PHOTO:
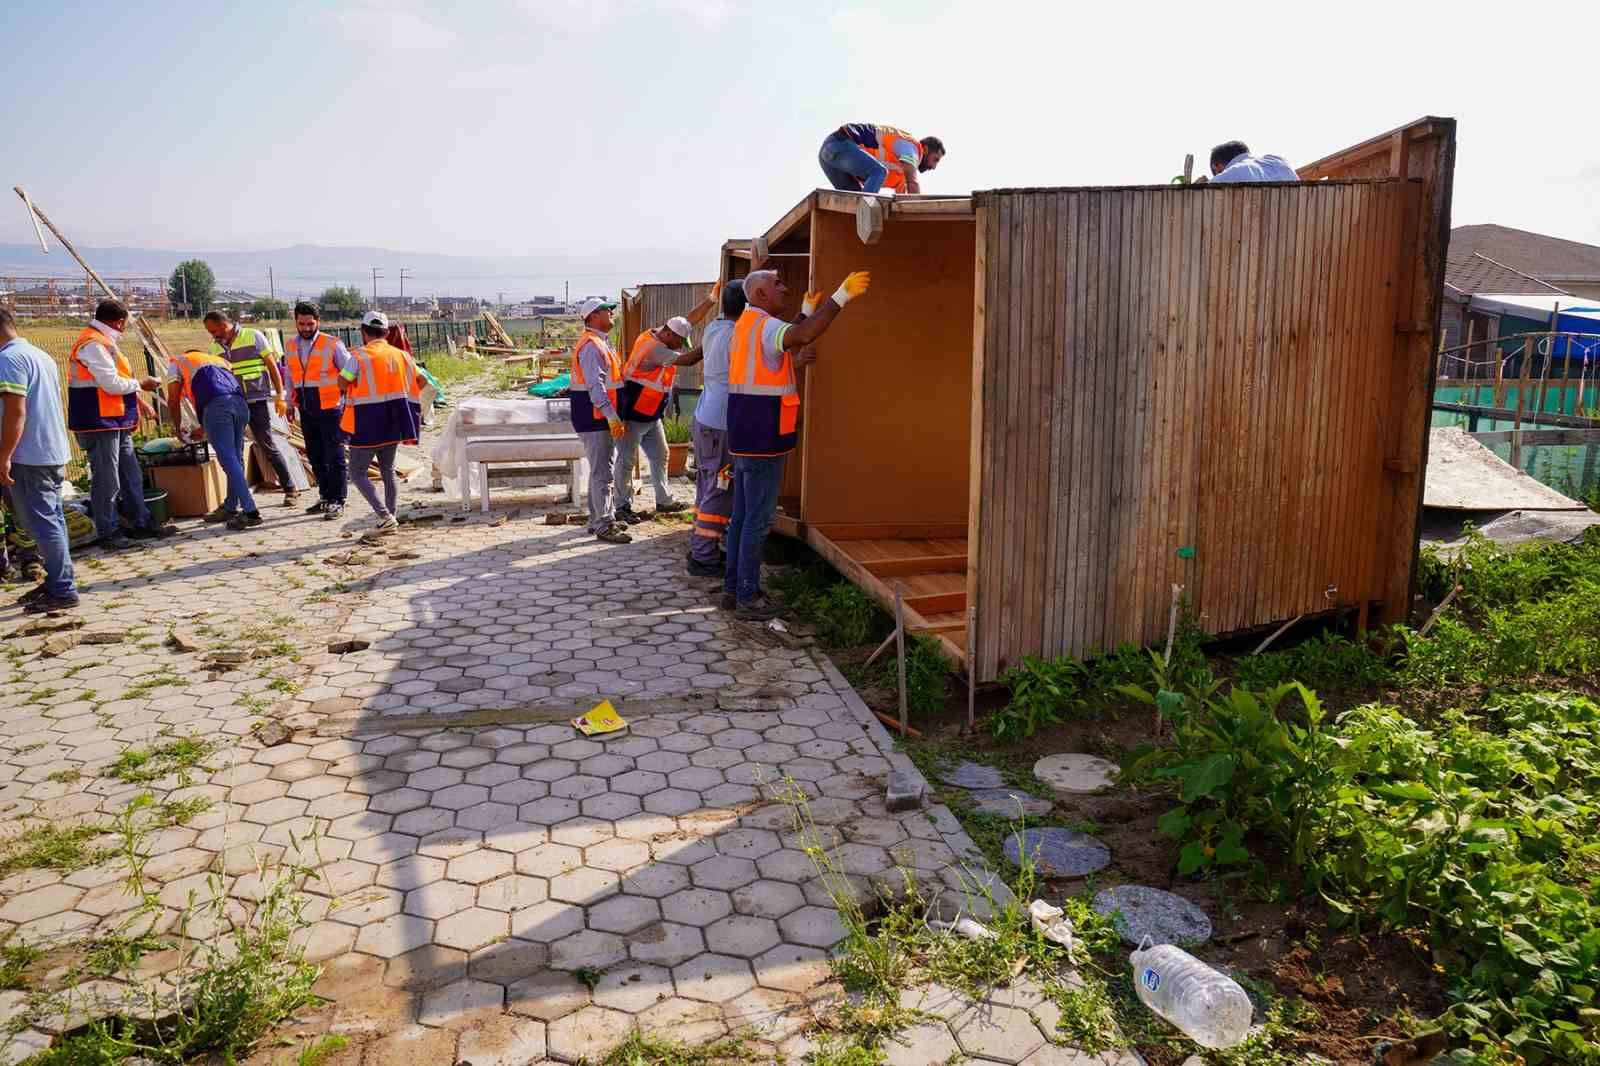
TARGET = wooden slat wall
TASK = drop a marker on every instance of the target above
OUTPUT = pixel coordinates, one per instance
(1169, 368)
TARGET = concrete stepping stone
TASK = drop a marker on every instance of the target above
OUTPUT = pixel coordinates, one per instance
(1149, 915)
(1075, 774)
(1009, 803)
(1058, 852)
(972, 775)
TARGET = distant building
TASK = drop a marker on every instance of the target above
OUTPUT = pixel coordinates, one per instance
(1523, 263)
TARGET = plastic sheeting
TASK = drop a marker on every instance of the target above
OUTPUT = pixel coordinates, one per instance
(483, 411)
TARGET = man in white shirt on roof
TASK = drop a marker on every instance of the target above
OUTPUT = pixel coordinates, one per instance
(103, 410)
(1232, 162)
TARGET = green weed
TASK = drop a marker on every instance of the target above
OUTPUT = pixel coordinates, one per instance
(642, 1049)
(842, 614)
(14, 962)
(180, 756)
(320, 1051)
(53, 847)
(1325, 662)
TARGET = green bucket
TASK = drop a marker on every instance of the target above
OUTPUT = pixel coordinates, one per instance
(156, 501)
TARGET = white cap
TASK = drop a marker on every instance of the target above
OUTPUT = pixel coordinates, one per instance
(679, 325)
(375, 319)
(593, 304)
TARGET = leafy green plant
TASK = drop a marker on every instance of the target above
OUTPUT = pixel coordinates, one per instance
(179, 756)
(1042, 691)
(53, 847)
(676, 429)
(1328, 661)
(15, 958)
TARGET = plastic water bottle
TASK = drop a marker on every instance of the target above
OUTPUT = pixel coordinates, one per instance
(1209, 1007)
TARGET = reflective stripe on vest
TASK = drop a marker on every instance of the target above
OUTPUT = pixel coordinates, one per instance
(586, 417)
(89, 408)
(655, 382)
(763, 404)
(379, 410)
(314, 369)
(188, 363)
(248, 360)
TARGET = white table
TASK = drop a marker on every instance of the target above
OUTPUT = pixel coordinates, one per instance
(511, 433)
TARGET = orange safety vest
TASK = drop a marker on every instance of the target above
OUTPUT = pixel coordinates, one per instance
(89, 408)
(380, 410)
(884, 153)
(763, 404)
(189, 362)
(586, 417)
(313, 368)
(653, 384)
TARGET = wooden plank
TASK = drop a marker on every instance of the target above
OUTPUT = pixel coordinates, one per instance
(887, 531)
(940, 604)
(981, 433)
(791, 223)
(1508, 414)
(903, 209)
(927, 564)
(1541, 436)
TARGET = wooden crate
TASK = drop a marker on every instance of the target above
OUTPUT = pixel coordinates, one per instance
(1056, 404)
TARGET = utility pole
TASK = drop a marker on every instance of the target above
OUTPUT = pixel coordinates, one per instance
(568, 300)
(501, 302)
(403, 272)
(272, 289)
(184, 276)
(375, 276)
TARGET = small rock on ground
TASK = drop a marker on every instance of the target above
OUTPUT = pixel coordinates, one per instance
(1145, 914)
(1075, 774)
(1009, 803)
(972, 775)
(1058, 852)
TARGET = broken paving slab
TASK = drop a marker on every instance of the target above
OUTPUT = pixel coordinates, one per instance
(1058, 852)
(1012, 803)
(1146, 915)
(904, 791)
(1076, 774)
(972, 775)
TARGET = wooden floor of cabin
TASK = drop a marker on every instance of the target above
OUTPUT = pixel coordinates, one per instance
(930, 571)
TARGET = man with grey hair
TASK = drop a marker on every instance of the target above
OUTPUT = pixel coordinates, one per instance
(596, 378)
(764, 418)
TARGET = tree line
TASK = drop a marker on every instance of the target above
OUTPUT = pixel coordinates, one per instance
(193, 287)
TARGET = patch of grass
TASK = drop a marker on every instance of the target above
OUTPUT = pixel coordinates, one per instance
(66, 777)
(53, 847)
(147, 683)
(14, 962)
(139, 765)
(109, 955)
(927, 675)
(43, 694)
(842, 614)
(181, 812)
(642, 1049)
(320, 1051)
(453, 370)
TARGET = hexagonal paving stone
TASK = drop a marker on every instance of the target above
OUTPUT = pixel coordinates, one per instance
(438, 899)
(673, 801)
(713, 978)
(39, 903)
(478, 867)
(667, 943)
(633, 987)
(429, 966)
(587, 1035)
(724, 872)
(774, 1014)
(582, 832)
(1006, 1034)
(624, 914)
(513, 892)
(394, 935)
(508, 962)
(818, 927)
(503, 1041)
(584, 885)
(547, 996)
(920, 1045)
(743, 935)
(697, 906)
(609, 806)
(471, 929)
(546, 922)
(768, 899)
(460, 1003)
(685, 1020)
(792, 968)
(460, 797)
(588, 949)
(618, 855)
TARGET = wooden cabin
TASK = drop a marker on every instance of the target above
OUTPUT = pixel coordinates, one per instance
(1055, 405)
(649, 306)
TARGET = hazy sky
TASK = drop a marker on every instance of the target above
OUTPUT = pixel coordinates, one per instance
(555, 126)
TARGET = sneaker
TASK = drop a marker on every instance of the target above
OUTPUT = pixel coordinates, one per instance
(703, 569)
(46, 603)
(628, 515)
(332, 511)
(728, 602)
(757, 610)
(615, 533)
(317, 508)
(290, 496)
(32, 594)
(116, 543)
(387, 524)
(153, 532)
(221, 514)
(245, 520)
(671, 507)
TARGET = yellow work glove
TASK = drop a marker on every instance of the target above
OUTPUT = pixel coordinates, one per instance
(716, 291)
(616, 427)
(853, 285)
(809, 304)
(283, 408)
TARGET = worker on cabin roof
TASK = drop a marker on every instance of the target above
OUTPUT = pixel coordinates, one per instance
(314, 360)
(863, 157)
(382, 411)
(1232, 162)
(764, 419)
(103, 410)
(213, 393)
(596, 377)
(256, 365)
(647, 379)
(713, 466)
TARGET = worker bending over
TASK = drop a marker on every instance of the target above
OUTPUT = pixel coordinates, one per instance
(212, 390)
(864, 157)
(764, 419)
(103, 410)
(647, 379)
(1232, 162)
(256, 366)
(596, 378)
(382, 411)
(315, 361)
(713, 489)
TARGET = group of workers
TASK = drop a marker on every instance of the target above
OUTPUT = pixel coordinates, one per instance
(745, 423)
(368, 402)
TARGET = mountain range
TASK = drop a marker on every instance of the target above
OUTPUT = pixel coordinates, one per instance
(308, 269)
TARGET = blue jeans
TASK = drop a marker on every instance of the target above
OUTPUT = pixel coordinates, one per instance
(849, 166)
(755, 502)
(224, 419)
(37, 496)
(115, 481)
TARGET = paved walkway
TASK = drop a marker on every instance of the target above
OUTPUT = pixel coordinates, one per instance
(479, 864)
